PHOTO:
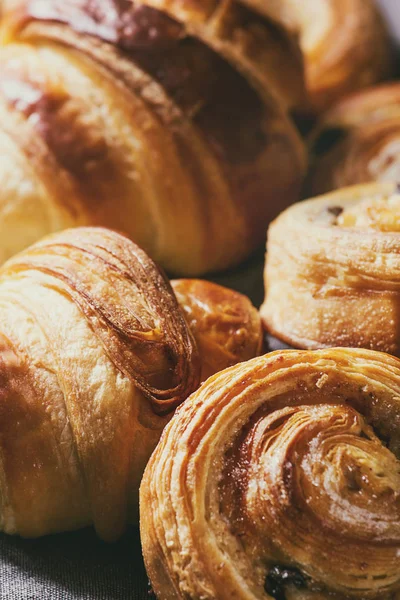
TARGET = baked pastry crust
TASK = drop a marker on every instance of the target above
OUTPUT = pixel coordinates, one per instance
(279, 478)
(120, 114)
(357, 141)
(225, 324)
(95, 355)
(345, 44)
(332, 271)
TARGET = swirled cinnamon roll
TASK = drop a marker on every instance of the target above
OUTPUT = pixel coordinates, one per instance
(280, 478)
(161, 123)
(345, 43)
(95, 356)
(332, 274)
(357, 141)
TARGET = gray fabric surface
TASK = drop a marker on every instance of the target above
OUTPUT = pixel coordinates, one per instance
(74, 566)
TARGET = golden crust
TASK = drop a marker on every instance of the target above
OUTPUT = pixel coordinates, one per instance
(156, 127)
(345, 44)
(225, 325)
(279, 477)
(332, 271)
(95, 355)
(357, 141)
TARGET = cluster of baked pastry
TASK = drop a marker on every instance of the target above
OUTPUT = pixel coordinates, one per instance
(166, 132)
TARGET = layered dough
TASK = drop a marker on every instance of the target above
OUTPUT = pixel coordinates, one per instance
(160, 123)
(280, 478)
(332, 274)
(95, 355)
(357, 141)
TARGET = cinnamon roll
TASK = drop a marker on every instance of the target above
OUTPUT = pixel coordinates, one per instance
(332, 273)
(280, 478)
(357, 141)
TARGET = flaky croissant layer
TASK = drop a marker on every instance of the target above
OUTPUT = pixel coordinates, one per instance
(280, 478)
(95, 355)
(169, 125)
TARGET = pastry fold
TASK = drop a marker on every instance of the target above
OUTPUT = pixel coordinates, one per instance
(332, 272)
(357, 141)
(95, 355)
(345, 43)
(280, 478)
(161, 123)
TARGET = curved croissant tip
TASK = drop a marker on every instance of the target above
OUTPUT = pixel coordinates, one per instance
(225, 324)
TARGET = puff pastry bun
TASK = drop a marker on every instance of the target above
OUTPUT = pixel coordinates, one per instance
(357, 141)
(164, 120)
(95, 355)
(280, 478)
(345, 43)
(332, 273)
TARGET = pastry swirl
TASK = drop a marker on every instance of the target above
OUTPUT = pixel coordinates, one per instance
(95, 355)
(357, 141)
(156, 122)
(345, 44)
(280, 478)
(332, 273)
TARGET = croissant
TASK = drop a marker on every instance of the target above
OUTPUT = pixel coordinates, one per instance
(357, 141)
(226, 326)
(345, 44)
(332, 273)
(95, 355)
(163, 122)
(280, 478)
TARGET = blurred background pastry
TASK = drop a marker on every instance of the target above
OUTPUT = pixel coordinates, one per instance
(357, 141)
(345, 44)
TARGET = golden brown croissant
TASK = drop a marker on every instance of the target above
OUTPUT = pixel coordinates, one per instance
(95, 355)
(158, 122)
(280, 478)
(332, 274)
(225, 324)
(345, 43)
(357, 141)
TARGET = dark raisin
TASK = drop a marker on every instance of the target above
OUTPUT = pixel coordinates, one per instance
(279, 576)
(335, 210)
(327, 139)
